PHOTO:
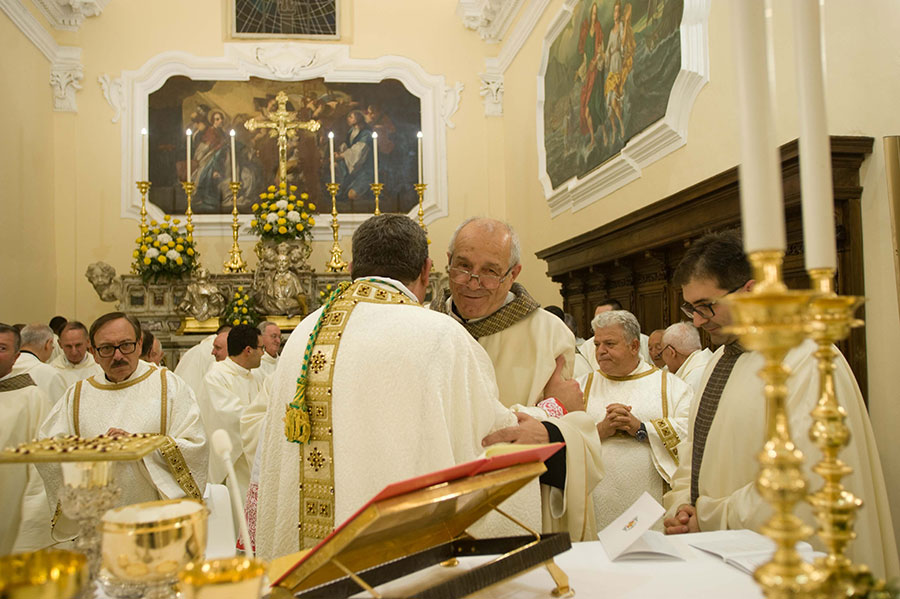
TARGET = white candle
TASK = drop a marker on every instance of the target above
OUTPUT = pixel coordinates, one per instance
(817, 194)
(762, 203)
(233, 159)
(188, 133)
(375, 153)
(144, 154)
(331, 152)
(419, 135)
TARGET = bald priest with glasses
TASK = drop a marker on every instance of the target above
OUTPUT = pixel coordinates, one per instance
(131, 396)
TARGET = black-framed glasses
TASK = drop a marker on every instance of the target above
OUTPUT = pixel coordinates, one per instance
(486, 280)
(669, 345)
(704, 310)
(107, 351)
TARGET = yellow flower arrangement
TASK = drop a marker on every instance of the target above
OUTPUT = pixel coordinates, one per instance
(165, 251)
(241, 309)
(281, 215)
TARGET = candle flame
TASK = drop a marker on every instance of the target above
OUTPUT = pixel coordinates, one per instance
(419, 135)
(143, 131)
(375, 134)
(331, 135)
(231, 133)
(188, 132)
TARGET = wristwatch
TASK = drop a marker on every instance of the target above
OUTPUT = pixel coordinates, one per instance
(641, 434)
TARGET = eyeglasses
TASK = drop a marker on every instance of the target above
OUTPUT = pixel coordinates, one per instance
(107, 351)
(704, 310)
(486, 280)
(669, 346)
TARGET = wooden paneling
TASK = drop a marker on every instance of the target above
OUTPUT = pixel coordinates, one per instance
(632, 259)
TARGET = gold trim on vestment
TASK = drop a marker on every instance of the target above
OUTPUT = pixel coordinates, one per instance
(587, 389)
(667, 435)
(76, 407)
(628, 377)
(316, 457)
(665, 396)
(123, 385)
(164, 400)
(14, 383)
(179, 468)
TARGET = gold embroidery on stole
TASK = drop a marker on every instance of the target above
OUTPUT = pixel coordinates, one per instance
(662, 425)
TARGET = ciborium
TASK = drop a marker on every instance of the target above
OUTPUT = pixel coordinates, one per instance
(45, 574)
(145, 545)
(233, 578)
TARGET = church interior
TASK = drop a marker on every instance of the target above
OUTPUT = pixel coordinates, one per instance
(85, 78)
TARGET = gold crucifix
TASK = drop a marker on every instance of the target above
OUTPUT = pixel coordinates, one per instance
(283, 124)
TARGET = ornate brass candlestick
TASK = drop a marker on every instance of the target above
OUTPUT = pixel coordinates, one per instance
(143, 187)
(189, 214)
(376, 189)
(337, 262)
(831, 319)
(235, 262)
(771, 320)
(420, 191)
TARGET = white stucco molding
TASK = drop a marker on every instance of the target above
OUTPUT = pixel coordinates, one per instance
(492, 93)
(115, 96)
(68, 15)
(285, 62)
(661, 138)
(66, 71)
(490, 18)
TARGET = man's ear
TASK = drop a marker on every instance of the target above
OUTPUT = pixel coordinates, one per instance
(515, 272)
(748, 286)
(426, 271)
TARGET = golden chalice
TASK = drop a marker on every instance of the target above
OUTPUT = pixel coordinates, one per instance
(146, 544)
(233, 578)
(45, 574)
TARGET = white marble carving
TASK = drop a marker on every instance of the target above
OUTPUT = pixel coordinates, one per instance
(452, 98)
(492, 93)
(66, 73)
(114, 94)
(68, 15)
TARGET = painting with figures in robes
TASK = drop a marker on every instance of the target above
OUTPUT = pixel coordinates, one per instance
(352, 111)
(609, 75)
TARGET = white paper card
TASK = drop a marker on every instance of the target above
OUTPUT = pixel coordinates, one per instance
(630, 525)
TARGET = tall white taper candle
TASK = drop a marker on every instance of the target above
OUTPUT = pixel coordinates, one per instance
(144, 154)
(188, 133)
(762, 202)
(375, 153)
(331, 152)
(419, 136)
(233, 158)
(817, 194)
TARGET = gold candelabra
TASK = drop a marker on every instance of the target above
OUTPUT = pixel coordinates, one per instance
(337, 262)
(830, 320)
(189, 214)
(420, 191)
(143, 188)
(376, 189)
(235, 262)
(772, 320)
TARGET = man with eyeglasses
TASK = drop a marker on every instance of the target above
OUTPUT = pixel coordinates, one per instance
(231, 385)
(715, 484)
(655, 347)
(533, 353)
(131, 396)
(684, 354)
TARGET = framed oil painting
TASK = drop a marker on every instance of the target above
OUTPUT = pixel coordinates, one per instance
(303, 19)
(352, 111)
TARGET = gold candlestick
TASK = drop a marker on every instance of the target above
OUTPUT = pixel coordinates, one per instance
(337, 262)
(831, 319)
(235, 262)
(376, 189)
(771, 320)
(420, 191)
(188, 214)
(143, 187)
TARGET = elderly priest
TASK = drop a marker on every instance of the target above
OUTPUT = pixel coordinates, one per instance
(132, 396)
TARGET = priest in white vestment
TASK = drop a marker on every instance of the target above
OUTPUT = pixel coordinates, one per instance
(715, 484)
(387, 391)
(132, 396)
(76, 363)
(684, 355)
(524, 343)
(271, 338)
(34, 353)
(22, 408)
(588, 351)
(641, 414)
(231, 385)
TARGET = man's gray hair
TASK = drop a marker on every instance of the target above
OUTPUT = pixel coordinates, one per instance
(262, 326)
(36, 335)
(683, 336)
(515, 249)
(623, 318)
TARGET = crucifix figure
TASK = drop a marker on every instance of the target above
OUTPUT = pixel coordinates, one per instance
(283, 124)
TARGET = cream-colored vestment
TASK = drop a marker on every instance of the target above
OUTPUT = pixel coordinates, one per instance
(728, 498)
(267, 365)
(72, 373)
(662, 402)
(691, 370)
(46, 377)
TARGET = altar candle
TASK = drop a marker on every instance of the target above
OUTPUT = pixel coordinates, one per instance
(375, 153)
(188, 133)
(419, 135)
(762, 203)
(233, 159)
(144, 154)
(331, 152)
(817, 195)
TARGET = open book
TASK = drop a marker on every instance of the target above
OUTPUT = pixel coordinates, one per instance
(744, 549)
(629, 537)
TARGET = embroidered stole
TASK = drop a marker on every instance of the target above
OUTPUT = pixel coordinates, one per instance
(500, 320)
(316, 457)
(14, 383)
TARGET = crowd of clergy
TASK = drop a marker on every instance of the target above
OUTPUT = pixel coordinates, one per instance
(395, 387)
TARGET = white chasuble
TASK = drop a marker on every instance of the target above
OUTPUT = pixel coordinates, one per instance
(230, 388)
(409, 392)
(662, 402)
(72, 373)
(151, 400)
(267, 365)
(46, 377)
(691, 370)
(22, 407)
(728, 498)
(193, 366)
